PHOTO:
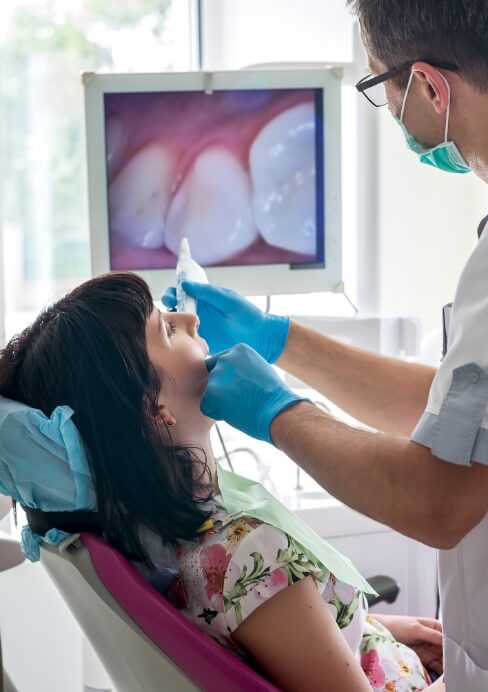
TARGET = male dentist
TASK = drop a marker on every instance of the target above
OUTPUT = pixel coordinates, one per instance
(426, 473)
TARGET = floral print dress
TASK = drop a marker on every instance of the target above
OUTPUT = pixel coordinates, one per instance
(240, 563)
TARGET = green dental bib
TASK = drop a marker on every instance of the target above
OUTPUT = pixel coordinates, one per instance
(243, 497)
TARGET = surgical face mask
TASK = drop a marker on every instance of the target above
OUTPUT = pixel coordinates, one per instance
(445, 156)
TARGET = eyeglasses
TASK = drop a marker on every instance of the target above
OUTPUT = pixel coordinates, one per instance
(376, 85)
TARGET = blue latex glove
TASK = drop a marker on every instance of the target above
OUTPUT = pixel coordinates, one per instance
(227, 319)
(245, 391)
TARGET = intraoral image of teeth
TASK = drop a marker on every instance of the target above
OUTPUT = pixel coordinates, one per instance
(282, 165)
(116, 142)
(139, 197)
(212, 208)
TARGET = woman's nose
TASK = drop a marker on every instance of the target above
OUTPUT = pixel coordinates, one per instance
(192, 323)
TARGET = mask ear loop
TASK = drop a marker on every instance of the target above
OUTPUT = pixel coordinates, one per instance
(448, 113)
(405, 97)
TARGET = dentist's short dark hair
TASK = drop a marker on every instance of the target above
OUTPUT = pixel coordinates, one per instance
(452, 31)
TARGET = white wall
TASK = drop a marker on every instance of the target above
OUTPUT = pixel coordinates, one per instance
(240, 33)
(426, 220)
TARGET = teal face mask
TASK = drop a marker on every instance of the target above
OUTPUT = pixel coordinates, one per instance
(445, 156)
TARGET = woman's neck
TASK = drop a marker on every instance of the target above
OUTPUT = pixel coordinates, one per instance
(199, 440)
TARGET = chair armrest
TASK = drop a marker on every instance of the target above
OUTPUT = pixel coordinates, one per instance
(387, 588)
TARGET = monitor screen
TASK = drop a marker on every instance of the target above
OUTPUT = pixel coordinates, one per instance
(240, 173)
(245, 164)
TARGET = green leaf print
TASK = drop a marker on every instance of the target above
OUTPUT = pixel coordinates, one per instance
(292, 559)
(258, 565)
(372, 641)
(238, 612)
(297, 563)
(345, 612)
(246, 581)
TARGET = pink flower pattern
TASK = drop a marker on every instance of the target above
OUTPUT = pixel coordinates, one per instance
(370, 663)
(214, 560)
(220, 578)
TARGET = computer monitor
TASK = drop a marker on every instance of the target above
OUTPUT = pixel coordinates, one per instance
(246, 165)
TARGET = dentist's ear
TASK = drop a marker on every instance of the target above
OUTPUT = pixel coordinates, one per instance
(433, 84)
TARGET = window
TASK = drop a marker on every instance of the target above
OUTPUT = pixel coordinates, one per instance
(44, 47)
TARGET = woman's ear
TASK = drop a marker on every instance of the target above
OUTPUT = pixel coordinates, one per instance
(159, 412)
(166, 415)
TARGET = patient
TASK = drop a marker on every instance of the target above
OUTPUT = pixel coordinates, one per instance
(135, 377)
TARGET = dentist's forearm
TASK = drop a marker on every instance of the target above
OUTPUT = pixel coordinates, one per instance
(384, 393)
(386, 477)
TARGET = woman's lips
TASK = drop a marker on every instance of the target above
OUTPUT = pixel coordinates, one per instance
(204, 345)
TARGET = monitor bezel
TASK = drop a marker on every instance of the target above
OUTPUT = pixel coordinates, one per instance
(266, 279)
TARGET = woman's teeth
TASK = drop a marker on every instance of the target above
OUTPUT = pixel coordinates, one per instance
(282, 163)
(116, 142)
(212, 208)
(139, 197)
(219, 206)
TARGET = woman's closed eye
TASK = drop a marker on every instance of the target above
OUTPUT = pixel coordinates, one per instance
(170, 328)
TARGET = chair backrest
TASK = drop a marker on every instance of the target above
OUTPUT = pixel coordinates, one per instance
(10, 552)
(5, 505)
(10, 556)
(144, 643)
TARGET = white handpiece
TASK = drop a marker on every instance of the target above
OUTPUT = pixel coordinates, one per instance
(187, 269)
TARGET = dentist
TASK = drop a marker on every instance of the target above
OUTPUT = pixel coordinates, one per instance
(426, 473)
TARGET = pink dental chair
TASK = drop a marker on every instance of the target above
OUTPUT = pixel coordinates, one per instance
(144, 643)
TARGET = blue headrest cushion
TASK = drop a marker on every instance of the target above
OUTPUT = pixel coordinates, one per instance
(43, 464)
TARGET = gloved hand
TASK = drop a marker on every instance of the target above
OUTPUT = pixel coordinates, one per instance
(245, 391)
(227, 319)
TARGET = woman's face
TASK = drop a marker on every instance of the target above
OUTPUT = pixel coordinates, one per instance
(178, 354)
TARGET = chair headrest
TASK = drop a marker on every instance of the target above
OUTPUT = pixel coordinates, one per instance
(43, 465)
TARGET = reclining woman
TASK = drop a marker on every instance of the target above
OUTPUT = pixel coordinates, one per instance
(134, 378)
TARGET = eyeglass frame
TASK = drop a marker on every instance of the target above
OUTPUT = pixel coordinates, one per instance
(369, 81)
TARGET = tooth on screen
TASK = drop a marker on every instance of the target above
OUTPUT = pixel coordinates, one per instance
(116, 142)
(139, 197)
(212, 208)
(282, 164)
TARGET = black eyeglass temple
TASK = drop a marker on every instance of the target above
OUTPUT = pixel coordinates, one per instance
(367, 82)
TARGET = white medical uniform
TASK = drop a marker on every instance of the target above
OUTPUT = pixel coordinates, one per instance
(455, 427)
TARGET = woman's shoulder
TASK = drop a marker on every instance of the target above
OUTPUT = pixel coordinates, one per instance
(237, 565)
(260, 560)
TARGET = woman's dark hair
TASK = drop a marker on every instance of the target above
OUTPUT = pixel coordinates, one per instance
(89, 351)
(437, 31)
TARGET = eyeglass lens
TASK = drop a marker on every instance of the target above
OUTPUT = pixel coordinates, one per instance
(377, 94)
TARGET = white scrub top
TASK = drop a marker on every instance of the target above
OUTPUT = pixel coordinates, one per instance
(455, 427)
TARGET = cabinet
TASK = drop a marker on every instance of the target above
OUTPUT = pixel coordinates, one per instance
(376, 549)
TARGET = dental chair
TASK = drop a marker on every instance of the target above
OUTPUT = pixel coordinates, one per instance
(144, 643)
(10, 556)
